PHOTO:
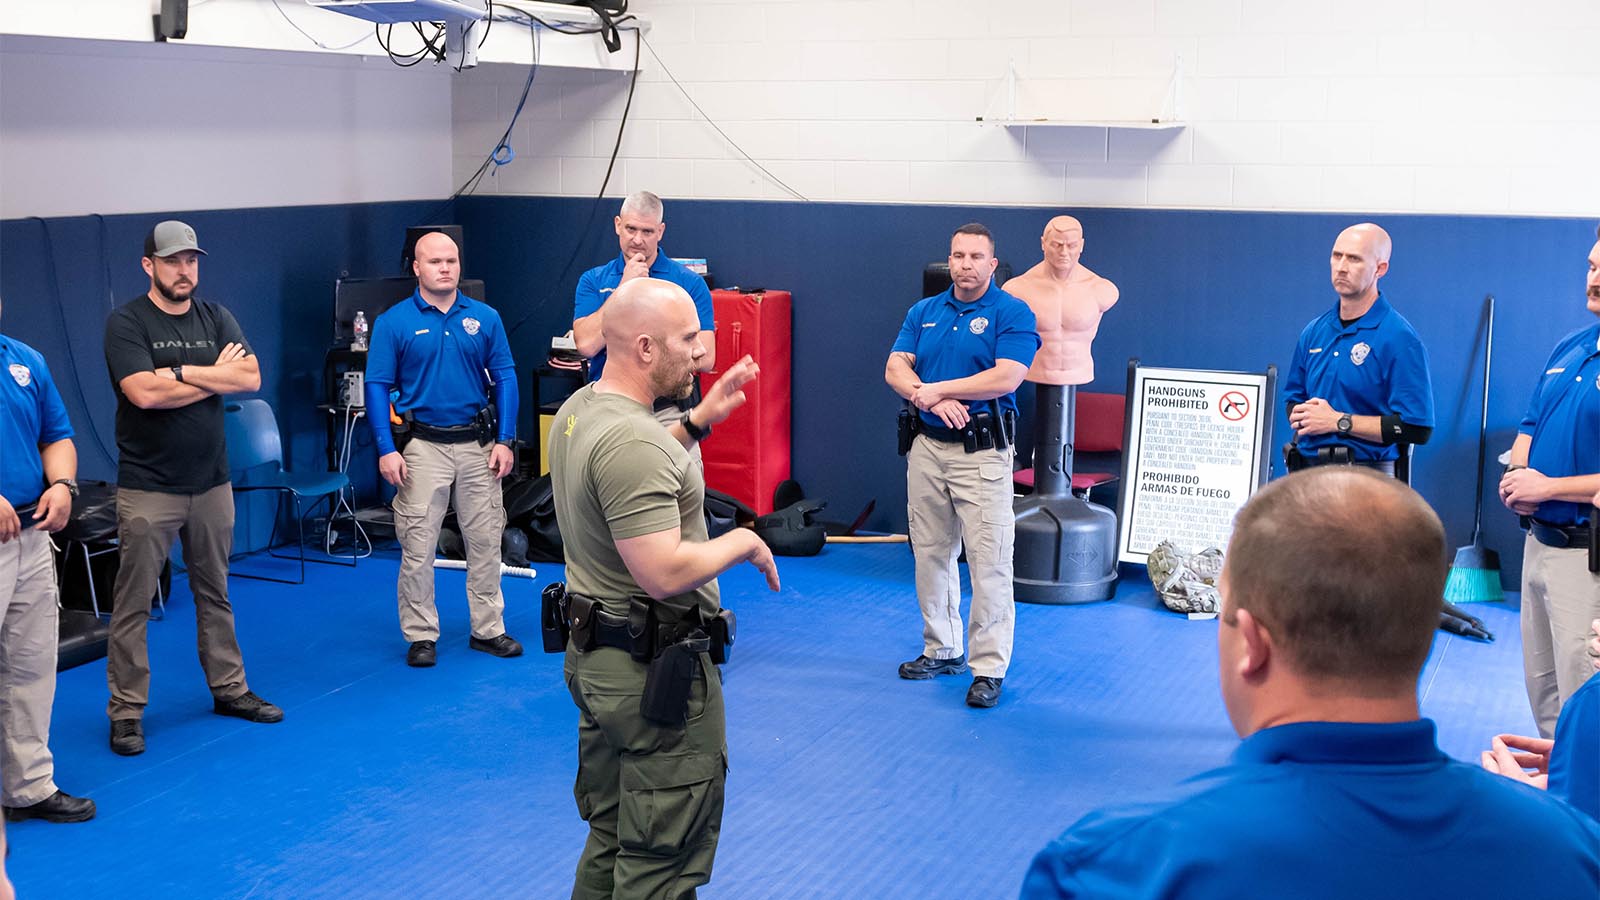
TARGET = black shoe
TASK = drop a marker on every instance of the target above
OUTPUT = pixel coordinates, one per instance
(922, 668)
(504, 645)
(985, 692)
(127, 737)
(248, 706)
(421, 654)
(58, 807)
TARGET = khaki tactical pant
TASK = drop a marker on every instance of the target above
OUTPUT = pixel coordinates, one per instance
(433, 473)
(652, 795)
(147, 522)
(28, 639)
(1560, 597)
(954, 496)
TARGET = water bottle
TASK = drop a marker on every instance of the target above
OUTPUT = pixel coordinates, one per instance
(360, 342)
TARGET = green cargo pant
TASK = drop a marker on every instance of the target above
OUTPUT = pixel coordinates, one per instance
(652, 795)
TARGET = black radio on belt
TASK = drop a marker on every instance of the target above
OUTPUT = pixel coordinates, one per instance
(555, 624)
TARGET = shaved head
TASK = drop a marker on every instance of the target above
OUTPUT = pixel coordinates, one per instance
(652, 331)
(1372, 238)
(646, 306)
(436, 261)
(434, 242)
(1360, 258)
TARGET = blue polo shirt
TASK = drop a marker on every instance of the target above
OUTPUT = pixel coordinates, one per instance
(952, 339)
(1575, 758)
(32, 414)
(1330, 810)
(436, 360)
(1564, 420)
(596, 285)
(1375, 366)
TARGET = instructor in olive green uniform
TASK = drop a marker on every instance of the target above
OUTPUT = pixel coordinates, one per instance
(630, 507)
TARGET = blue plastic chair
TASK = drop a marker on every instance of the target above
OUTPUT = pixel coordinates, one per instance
(255, 463)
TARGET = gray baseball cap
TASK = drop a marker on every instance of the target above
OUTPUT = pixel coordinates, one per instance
(170, 237)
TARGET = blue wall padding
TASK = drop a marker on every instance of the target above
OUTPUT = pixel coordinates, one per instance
(273, 268)
(1227, 290)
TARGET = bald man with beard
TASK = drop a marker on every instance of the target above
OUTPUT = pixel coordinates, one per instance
(630, 505)
(1359, 384)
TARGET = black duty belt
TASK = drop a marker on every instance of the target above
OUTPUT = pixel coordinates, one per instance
(25, 513)
(942, 434)
(1386, 466)
(456, 434)
(1561, 537)
(612, 631)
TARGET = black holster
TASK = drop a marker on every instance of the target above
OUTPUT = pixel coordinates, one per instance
(1294, 459)
(671, 651)
(402, 433)
(721, 630)
(1594, 539)
(555, 617)
(484, 426)
(907, 428)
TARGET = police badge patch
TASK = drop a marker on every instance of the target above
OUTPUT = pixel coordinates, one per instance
(978, 324)
(21, 374)
(1358, 353)
(470, 324)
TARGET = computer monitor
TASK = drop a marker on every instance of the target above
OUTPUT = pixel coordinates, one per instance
(374, 295)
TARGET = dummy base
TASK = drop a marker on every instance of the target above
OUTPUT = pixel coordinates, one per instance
(1066, 550)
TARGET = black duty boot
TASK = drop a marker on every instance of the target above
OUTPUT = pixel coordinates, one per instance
(922, 668)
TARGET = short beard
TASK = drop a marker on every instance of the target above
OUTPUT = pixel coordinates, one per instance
(669, 390)
(170, 293)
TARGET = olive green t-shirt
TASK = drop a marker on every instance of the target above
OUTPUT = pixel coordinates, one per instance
(618, 473)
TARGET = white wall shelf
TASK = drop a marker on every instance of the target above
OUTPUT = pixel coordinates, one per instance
(1022, 111)
(1152, 125)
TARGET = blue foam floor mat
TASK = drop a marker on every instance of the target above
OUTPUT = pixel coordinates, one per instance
(845, 781)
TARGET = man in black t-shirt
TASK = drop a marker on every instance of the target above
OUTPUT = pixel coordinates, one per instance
(171, 358)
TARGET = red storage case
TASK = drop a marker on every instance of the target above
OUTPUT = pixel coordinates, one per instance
(748, 455)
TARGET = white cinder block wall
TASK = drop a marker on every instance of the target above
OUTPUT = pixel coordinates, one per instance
(1430, 106)
(91, 126)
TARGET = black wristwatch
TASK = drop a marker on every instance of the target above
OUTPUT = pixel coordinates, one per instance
(1344, 424)
(694, 430)
(177, 372)
(72, 486)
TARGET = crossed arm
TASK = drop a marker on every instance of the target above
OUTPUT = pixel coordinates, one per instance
(235, 371)
(1522, 489)
(948, 399)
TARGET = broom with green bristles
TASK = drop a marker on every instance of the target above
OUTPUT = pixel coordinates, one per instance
(1475, 574)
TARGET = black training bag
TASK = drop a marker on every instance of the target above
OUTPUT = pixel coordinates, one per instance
(531, 506)
(724, 512)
